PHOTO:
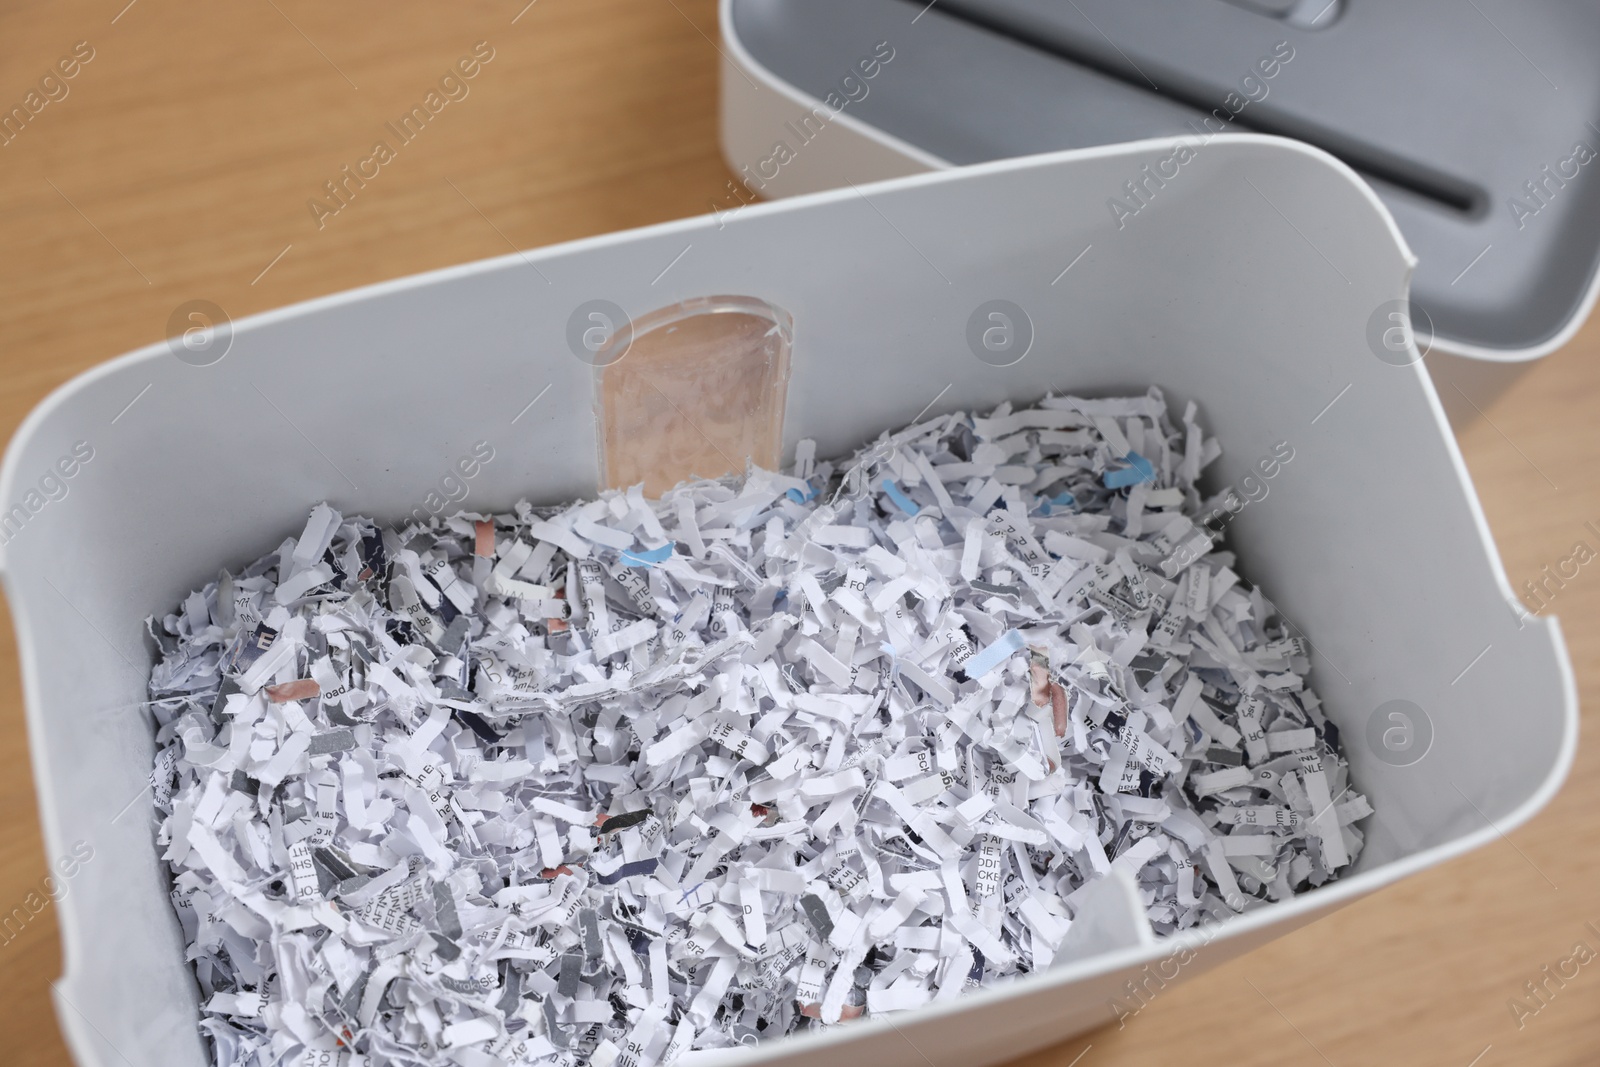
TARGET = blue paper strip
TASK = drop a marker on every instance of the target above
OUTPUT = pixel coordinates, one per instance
(1009, 644)
(1138, 470)
(901, 501)
(647, 558)
(801, 498)
(1064, 501)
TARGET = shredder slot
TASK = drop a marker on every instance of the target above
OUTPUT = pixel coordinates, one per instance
(1478, 125)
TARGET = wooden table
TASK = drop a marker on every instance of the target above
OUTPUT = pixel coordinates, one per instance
(179, 165)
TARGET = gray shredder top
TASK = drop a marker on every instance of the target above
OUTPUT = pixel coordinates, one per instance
(1477, 121)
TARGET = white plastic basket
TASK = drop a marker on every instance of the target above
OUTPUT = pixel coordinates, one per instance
(1253, 292)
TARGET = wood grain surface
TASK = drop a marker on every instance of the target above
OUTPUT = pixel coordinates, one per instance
(179, 165)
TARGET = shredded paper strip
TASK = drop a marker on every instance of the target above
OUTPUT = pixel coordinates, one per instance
(607, 783)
